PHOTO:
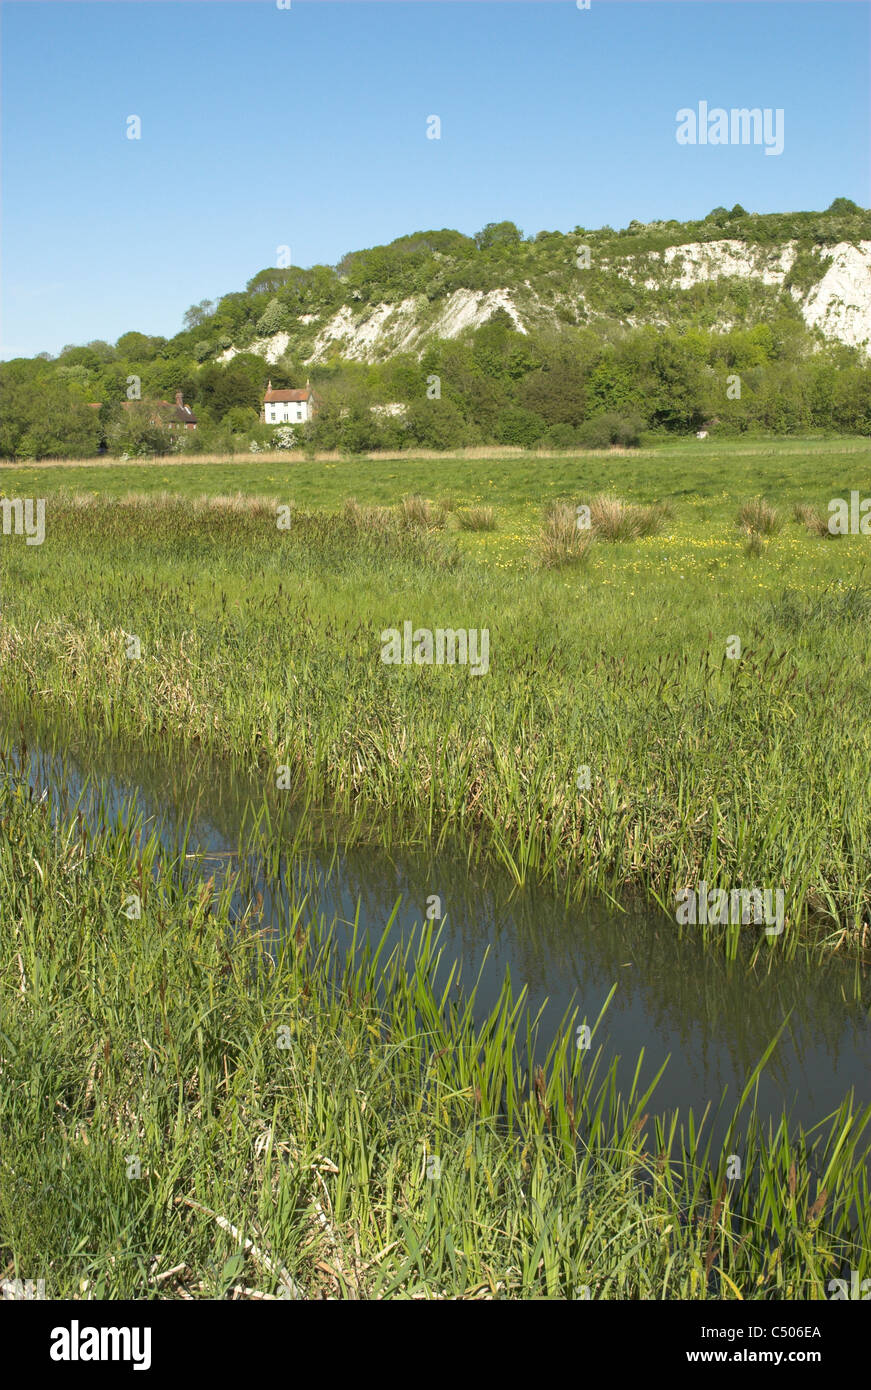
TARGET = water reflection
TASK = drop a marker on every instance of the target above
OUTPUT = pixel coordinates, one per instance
(714, 1017)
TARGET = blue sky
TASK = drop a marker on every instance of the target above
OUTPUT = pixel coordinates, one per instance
(307, 127)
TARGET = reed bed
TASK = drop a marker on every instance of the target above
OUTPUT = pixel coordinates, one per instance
(262, 648)
(191, 1109)
(730, 451)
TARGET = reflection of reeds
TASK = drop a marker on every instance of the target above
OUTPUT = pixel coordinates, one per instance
(320, 1099)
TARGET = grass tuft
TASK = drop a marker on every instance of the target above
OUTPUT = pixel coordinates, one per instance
(418, 513)
(561, 541)
(758, 517)
(476, 519)
(814, 519)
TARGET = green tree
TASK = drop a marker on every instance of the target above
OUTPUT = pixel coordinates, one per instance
(843, 206)
(240, 418)
(198, 313)
(431, 424)
(613, 388)
(498, 234)
(139, 428)
(273, 319)
(239, 382)
(138, 347)
(42, 416)
(519, 426)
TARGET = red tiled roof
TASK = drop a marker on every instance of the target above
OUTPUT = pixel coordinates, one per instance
(301, 395)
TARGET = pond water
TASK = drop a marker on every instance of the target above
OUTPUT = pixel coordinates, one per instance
(674, 998)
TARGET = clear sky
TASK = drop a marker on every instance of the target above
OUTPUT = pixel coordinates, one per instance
(306, 127)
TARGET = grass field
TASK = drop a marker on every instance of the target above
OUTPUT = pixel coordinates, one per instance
(264, 646)
(260, 650)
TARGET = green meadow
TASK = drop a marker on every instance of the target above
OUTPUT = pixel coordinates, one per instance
(263, 645)
(285, 1103)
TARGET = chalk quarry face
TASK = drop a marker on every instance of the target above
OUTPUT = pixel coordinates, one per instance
(839, 304)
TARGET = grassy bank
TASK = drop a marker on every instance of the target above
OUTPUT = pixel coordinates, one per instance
(187, 1111)
(262, 647)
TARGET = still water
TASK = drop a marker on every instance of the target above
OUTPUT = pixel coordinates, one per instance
(712, 1018)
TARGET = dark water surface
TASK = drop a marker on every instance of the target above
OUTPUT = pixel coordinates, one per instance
(713, 1018)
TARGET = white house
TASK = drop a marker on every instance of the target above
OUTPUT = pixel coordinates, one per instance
(288, 407)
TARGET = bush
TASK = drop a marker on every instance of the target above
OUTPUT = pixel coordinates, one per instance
(240, 418)
(357, 432)
(561, 436)
(139, 431)
(434, 425)
(285, 437)
(273, 319)
(605, 430)
(519, 426)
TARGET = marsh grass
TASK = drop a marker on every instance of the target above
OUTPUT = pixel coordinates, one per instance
(261, 648)
(838, 604)
(814, 519)
(758, 517)
(418, 513)
(561, 542)
(293, 1096)
(612, 519)
(368, 518)
(476, 519)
